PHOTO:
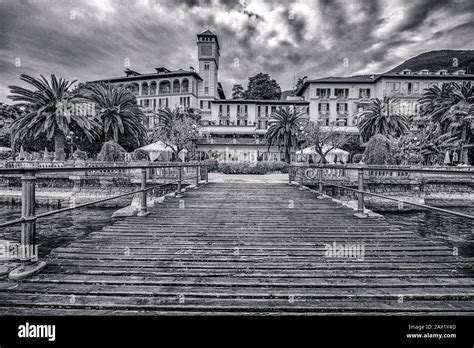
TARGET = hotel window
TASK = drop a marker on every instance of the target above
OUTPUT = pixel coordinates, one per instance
(154, 103)
(408, 87)
(273, 109)
(342, 107)
(238, 109)
(364, 93)
(246, 111)
(228, 109)
(201, 104)
(323, 107)
(395, 86)
(416, 86)
(147, 102)
(206, 66)
(220, 109)
(206, 91)
(323, 92)
(266, 110)
(209, 105)
(341, 92)
(259, 110)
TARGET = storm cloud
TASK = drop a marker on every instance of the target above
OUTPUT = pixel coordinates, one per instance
(86, 40)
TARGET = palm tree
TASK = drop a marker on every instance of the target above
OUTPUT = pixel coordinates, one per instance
(46, 112)
(381, 118)
(117, 110)
(284, 128)
(451, 109)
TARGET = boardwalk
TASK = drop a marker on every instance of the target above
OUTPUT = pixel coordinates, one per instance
(246, 249)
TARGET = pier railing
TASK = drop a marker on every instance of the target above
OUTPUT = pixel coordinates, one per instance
(178, 173)
(340, 176)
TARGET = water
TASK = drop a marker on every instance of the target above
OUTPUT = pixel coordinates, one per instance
(57, 230)
(432, 225)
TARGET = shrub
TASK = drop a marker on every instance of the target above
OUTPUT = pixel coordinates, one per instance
(140, 155)
(212, 165)
(276, 166)
(378, 150)
(357, 157)
(242, 168)
(79, 155)
(111, 152)
(4, 155)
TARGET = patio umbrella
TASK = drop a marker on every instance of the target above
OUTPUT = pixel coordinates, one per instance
(447, 159)
(22, 153)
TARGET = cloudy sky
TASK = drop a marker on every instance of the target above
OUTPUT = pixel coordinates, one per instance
(91, 39)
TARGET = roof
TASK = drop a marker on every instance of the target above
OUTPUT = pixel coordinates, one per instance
(172, 73)
(207, 33)
(375, 77)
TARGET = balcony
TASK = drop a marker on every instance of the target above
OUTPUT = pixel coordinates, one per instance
(323, 113)
(242, 115)
(263, 116)
(224, 115)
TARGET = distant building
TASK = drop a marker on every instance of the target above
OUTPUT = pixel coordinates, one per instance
(341, 100)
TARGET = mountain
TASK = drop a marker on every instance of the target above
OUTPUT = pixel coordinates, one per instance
(437, 60)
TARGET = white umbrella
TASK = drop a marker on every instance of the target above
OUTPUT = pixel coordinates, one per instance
(157, 150)
(447, 159)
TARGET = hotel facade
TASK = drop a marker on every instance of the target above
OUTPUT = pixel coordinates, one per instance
(234, 129)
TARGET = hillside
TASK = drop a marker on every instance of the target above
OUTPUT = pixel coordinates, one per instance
(437, 60)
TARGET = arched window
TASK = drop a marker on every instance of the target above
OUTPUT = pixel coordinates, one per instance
(164, 87)
(144, 88)
(176, 86)
(153, 88)
(185, 86)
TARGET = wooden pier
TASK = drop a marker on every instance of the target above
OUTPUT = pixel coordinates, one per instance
(258, 249)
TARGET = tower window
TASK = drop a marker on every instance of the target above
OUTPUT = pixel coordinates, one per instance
(206, 66)
(206, 90)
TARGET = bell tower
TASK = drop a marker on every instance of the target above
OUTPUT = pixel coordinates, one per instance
(208, 56)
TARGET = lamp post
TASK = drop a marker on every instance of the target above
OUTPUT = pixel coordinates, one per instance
(70, 138)
(257, 141)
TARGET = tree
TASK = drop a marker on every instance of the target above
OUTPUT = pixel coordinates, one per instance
(118, 112)
(284, 128)
(324, 138)
(47, 112)
(237, 92)
(178, 129)
(452, 107)
(378, 150)
(262, 86)
(448, 112)
(382, 117)
(301, 81)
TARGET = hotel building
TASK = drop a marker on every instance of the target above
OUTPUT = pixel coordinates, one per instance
(341, 100)
(234, 129)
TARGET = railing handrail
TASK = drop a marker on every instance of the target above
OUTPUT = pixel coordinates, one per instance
(37, 169)
(361, 192)
(450, 170)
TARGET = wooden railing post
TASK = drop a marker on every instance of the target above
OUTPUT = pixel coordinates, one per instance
(180, 179)
(28, 251)
(143, 207)
(207, 174)
(197, 175)
(320, 181)
(301, 178)
(290, 169)
(360, 194)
